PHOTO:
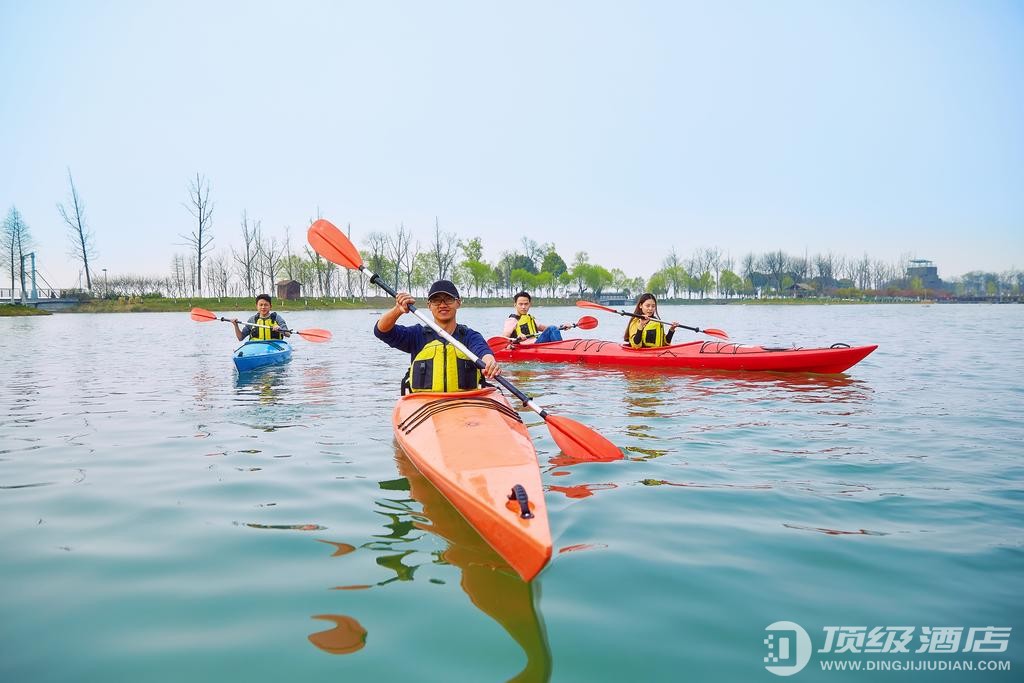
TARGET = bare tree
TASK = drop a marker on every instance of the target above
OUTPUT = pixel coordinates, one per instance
(270, 262)
(289, 267)
(675, 273)
(218, 274)
(377, 244)
(82, 245)
(775, 264)
(825, 270)
(862, 272)
(15, 240)
(748, 265)
(713, 258)
(398, 247)
(319, 267)
(191, 273)
(415, 252)
(179, 278)
(443, 251)
(533, 251)
(201, 236)
(349, 280)
(245, 260)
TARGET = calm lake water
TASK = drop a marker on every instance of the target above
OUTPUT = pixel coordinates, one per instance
(165, 519)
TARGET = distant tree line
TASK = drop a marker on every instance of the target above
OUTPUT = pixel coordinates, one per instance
(261, 259)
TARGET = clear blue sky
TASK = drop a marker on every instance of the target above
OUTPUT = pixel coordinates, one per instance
(619, 128)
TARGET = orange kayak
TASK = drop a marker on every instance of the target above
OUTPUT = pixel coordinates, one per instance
(474, 447)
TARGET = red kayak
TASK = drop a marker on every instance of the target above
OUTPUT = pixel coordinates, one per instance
(699, 355)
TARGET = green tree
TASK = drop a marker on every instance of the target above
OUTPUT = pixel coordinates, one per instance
(729, 283)
(480, 274)
(524, 262)
(787, 282)
(566, 279)
(597, 278)
(553, 263)
(658, 284)
(521, 279)
(424, 270)
(545, 280)
(472, 249)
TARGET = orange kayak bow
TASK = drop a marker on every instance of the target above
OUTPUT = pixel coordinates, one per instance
(475, 449)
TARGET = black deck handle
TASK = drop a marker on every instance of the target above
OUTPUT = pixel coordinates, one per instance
(519, 495)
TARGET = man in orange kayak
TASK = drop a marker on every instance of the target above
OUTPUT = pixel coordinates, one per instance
(523, 327)
(263, 325)
(436, 364)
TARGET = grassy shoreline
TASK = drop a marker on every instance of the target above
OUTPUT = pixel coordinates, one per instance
(15, 310)
(140, 305)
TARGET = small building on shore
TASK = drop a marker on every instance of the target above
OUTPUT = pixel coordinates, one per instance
(612, 299)
(926, 271)
(800, 289)
(289, 289)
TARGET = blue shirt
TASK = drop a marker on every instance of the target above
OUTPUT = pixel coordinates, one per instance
(412, 340)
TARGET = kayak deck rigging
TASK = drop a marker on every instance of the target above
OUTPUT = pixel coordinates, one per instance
(429, 410)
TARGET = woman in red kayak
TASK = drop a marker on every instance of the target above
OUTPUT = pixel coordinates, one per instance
(647, 331)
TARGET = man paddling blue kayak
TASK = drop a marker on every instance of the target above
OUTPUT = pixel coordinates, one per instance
(266, 324)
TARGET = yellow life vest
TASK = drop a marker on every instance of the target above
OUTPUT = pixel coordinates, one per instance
(262, 333)
(526, 325)
(439, 366)
(653, 334)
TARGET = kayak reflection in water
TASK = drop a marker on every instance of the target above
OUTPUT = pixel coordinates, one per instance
(489, 582)
(647, 331)
(264, 325)
(523, 327)
(487, 579)
(436, 364)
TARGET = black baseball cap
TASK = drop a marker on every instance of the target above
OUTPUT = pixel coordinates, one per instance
(443, 287)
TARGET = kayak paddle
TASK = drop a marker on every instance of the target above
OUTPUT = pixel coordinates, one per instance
(314, 335)
(576, 440)
(709, 331)
(587, 322)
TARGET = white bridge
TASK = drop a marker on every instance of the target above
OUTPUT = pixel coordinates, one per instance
(30, 294)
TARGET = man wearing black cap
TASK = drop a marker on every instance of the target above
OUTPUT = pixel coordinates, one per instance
(436, 364)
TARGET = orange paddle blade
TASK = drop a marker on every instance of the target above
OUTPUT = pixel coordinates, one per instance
(315, 335)
(202, 315)
(580, 442)
(587, 322)
(591, 304)
(332, 244)
(715, 333)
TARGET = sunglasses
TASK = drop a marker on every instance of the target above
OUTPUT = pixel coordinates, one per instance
(446, 300)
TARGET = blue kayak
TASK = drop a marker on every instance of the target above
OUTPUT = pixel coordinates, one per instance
(257, 354)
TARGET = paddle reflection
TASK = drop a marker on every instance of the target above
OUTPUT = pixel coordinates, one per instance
(318, 382)
(345, 637)
(491, 584)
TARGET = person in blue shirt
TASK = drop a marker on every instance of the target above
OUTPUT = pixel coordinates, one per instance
(436, 364)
